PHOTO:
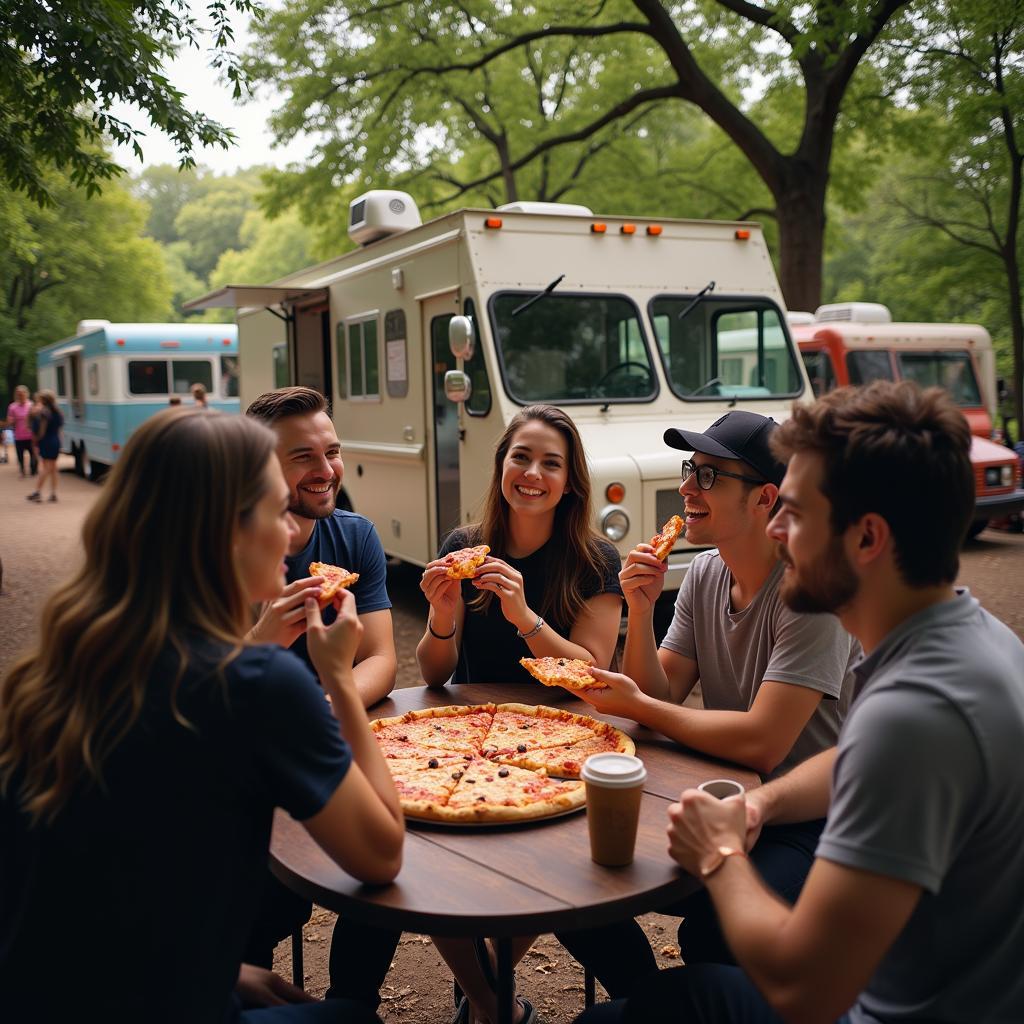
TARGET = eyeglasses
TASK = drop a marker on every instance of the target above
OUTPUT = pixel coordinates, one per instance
(707, 475)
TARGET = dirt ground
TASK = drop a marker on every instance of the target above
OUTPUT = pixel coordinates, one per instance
(38, 544)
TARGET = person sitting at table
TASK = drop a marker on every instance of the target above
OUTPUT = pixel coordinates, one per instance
(914, 908)
(144, 746)
(775, 682)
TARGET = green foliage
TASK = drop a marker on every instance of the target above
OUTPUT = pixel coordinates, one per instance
(62, 66)
(80, 258)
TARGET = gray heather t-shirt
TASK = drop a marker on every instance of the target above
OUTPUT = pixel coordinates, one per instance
(928, 787)
(736, 651)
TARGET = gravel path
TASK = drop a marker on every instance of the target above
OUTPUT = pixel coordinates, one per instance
(40, 543)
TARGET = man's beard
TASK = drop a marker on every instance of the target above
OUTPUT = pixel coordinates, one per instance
(300, 508)
(830, 586)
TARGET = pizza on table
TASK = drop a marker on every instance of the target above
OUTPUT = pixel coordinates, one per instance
(492, 762)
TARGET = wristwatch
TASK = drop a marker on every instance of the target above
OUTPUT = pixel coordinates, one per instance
(720, 856)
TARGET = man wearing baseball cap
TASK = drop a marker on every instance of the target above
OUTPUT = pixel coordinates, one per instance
(775, 682)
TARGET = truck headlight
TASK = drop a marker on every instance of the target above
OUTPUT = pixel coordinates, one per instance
(615, 524)
(1007, 476)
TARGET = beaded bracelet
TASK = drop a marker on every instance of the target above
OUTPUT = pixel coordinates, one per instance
(439, 636)
(538, 626)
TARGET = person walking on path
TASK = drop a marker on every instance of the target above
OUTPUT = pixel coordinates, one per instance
(51, 422)
(18, 418)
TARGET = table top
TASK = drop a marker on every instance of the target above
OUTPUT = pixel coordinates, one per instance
(520, 880)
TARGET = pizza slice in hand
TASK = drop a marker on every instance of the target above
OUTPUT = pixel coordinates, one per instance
(334, 579)
(665, 539)
(463, 564)
(569, 673)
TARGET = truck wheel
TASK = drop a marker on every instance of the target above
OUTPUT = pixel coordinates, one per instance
(97, 470)
(78, 451)
(976, 527)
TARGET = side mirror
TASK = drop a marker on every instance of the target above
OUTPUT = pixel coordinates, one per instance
(457, 386)
(460, 337)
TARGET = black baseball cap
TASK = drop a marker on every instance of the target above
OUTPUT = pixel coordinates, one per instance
(736, 435)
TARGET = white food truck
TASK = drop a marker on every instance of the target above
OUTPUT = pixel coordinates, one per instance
(430, 336)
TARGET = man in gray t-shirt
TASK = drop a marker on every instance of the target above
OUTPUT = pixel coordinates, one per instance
(914, 909)
(775, 682)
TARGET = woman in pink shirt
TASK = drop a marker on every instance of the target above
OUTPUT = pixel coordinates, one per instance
(24, 442)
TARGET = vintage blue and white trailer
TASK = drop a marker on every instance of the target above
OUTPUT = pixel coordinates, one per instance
(111, 377)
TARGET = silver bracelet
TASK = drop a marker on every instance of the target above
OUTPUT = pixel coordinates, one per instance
(538, 626)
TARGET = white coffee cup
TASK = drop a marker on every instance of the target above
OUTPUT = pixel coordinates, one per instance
(721, 788)
(615, 786)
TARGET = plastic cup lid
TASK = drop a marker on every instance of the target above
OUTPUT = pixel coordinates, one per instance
(614, 770)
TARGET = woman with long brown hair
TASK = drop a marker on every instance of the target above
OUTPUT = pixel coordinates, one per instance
(144, 746)
(550, 584)
(549, 587)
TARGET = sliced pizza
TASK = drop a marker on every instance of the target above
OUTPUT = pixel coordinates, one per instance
(531, 727)
(455, 728)
(423, 793)
(490, 792)
(567, 761)
(334, 579)
(463, 564)
(665, 539)
(569, 673)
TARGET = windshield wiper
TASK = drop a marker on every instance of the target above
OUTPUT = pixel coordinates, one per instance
(540, 295)
(709, 287)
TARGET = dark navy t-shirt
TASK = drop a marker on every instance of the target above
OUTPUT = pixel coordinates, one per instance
(490, 650)
(348, 540)
(136, 903)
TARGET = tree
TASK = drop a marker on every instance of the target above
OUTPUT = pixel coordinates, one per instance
(972, 66)
(375, 69)
(81, 257)
(63, 66)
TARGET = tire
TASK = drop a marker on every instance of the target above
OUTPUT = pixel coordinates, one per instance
(78, 451)
(97, 470)
(975, 528)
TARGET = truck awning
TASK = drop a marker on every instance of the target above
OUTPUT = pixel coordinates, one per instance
(67, 350)
(237, 296)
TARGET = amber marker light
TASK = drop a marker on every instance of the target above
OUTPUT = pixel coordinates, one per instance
(654, 230)
(742, 234)
(598, 229)
(628, 229)
(492, 222)
(170, 344)
(615, 493)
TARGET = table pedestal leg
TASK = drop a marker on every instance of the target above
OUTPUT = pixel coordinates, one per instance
(506, 983)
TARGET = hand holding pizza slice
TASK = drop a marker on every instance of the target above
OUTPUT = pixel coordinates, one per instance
(463, 564)
(569, 673)
(665, 539)
(334, 579)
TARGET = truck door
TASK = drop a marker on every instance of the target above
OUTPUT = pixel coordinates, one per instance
(437, 313)
(313, 363)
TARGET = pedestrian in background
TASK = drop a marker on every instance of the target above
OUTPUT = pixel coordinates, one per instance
(18, 419)
(199, 395)
(51, 421)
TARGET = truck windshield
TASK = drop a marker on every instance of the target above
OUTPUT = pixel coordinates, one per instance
(724, 348)
(572, 348)
(950, 370)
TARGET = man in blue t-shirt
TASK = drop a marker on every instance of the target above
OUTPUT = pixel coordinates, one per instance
(310, 455)
(309, 451)
(913, 910)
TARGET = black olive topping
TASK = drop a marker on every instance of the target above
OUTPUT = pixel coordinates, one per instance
(503, 773)
(432, 763)
(456, 775)
(521, 748)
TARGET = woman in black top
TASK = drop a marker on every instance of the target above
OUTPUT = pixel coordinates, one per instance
(550, 583)
(549, 587)
(144, 746)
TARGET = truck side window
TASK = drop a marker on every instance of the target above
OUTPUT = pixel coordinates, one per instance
(820, 370)
(952, 371)
(363, 372)
(147, 376)
(229, 376)
(863, 366)
(280, 361)
(187, 372)
(94, 378)
(62, 387)
(479, 403)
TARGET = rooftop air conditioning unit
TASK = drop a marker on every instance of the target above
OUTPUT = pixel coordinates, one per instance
(381, 213)
(796, 317)
(854, 312)
(88, 326)
(564, 209)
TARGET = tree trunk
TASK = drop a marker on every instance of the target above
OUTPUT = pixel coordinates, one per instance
(1017, 337)
(800, 211)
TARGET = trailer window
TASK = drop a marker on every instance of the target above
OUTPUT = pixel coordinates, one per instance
(821, 371)
(94, 378)
(724, 348)
(863, 367)
(361, 378)
(952, 371)
(187, 372)
(229, 376)
(147, 376)
(62, 387)
(572, 348)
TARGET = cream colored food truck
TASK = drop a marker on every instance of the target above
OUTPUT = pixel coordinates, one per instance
(429, 337)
